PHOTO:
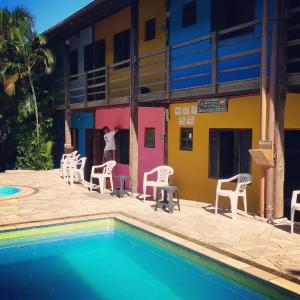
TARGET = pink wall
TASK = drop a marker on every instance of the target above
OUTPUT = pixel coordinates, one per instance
(149, 158)
(114, 117)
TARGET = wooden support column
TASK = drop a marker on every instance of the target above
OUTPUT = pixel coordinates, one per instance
(214, 62)
(271, 113)
(68, 145)
(263, 96)
(133, 94)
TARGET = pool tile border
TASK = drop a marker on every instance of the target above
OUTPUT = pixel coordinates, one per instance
(25, 192)
(224, 257)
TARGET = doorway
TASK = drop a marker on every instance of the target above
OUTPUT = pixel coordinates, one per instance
(292, 169)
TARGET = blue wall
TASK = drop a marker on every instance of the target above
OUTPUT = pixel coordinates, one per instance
(59, 129)
(178, 35)
(82, 121)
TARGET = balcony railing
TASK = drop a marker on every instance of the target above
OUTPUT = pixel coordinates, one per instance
(204, 66)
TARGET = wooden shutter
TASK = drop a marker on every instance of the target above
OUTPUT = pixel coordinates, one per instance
(245, 144)
(214, 150)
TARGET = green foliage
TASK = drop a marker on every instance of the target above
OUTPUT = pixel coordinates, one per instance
(32, 155)
(25, 94)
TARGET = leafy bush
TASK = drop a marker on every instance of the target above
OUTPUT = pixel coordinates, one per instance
(32, 155)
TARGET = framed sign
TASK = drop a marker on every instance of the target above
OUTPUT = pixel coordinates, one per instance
(212, 105)
(186, 110)
(182, 121)
(177, 110)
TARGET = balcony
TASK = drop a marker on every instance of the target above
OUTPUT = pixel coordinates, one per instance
(223, 62)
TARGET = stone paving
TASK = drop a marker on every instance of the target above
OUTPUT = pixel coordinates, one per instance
(246, 239)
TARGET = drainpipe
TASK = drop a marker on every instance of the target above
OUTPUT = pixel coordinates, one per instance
(263, 95)
(271, 116)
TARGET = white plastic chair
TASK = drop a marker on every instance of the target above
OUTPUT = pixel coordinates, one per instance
(101, 177)
(294, 206)
(163, 174)
(243, 180)
(68, 165)
(63, 160)
(76, 170)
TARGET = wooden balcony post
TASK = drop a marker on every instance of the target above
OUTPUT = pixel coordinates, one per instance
(68, 143)
(133, 95)
(214, 62)
(168, 72)
(85, 87)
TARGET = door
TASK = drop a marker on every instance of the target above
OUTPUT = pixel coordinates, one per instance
(292, 168)
(98, 146)
(89, 152)
(151, 144)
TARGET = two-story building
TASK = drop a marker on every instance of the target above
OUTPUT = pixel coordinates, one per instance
(201, 76)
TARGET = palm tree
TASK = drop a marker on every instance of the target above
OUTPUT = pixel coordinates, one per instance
(24, 54)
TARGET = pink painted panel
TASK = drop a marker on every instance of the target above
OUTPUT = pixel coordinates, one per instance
(149, 158)
(114, 117)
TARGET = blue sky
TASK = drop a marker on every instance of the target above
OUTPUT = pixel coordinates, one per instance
(47, 12)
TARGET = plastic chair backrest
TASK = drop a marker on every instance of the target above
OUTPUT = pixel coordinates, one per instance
(163, 173)
(107, 170)
(243, 180)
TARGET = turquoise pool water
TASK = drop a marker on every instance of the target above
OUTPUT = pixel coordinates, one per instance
(8, 190)
(113, 260)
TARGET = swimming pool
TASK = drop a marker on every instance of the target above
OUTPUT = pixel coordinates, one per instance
(8, 190)
(109, 259)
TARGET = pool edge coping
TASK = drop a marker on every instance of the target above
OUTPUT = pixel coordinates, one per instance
(277, 278)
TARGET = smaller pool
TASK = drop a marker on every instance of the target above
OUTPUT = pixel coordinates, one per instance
(8, 191)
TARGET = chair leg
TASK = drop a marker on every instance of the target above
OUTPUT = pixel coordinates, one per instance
(216, 204)
(233, 204)
(144, 192)
(101, 185)
(154, 193)
(245, 204)
(292, 219)
(111, 184)
(91, 184)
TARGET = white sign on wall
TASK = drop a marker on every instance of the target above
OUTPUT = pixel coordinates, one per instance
(190, 120)
(182, 121)
(186, 110)
(177, 111)
(194, 110)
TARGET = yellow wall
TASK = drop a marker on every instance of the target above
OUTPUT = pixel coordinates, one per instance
(191, 167)
(148, 10)
(107, 28)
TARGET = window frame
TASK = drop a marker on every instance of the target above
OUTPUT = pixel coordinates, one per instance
(218, 24)
(118, 142)
(73, 64)
(189, 18)
(150, 30)
(181, 147)
(124, 53)
(147, 129)
(238, 164)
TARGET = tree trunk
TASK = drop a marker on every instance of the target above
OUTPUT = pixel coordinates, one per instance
(36, 110)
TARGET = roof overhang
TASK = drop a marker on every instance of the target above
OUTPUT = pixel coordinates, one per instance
(96, 10)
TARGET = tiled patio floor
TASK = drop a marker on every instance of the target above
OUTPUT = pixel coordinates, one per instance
(246, 239)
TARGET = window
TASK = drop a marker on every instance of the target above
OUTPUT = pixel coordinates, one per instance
(122, 48)
(229, 13)
(149, 138)
(150, 29)
(186, 139)
(73, 64)
(228, 152)
(88, 57)
(189, 14)
(122, 146)
(74, 138)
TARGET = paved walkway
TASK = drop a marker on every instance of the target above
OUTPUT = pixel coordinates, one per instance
(246, 238)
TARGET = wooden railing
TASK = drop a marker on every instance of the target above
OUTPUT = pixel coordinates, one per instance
(207, 61)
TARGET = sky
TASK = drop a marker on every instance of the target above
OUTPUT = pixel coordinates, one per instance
(47, 12)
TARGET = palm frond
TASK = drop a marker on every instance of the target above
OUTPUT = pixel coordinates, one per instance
(10, 85)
